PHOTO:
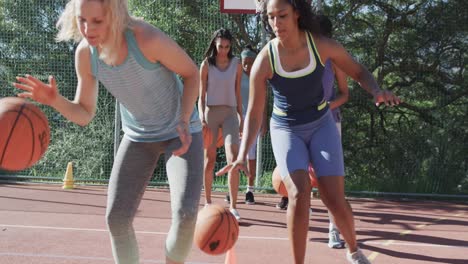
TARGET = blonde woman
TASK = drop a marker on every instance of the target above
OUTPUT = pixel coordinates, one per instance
(137, 63)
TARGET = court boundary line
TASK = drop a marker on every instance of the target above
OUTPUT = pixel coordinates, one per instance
(111, 260)
(383, 242)
(138, 232)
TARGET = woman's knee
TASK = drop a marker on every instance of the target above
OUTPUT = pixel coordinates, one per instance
(186, 215)
(231, 151)
(179, 240)
(334, 202)
(210, 160)
(118, 223)
(298, 185)
(298, 194)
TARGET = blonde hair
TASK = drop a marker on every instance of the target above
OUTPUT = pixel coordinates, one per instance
(118, 18)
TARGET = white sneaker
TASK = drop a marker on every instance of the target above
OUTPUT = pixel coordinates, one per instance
(236, 214)
(334, 240)
(357, 257)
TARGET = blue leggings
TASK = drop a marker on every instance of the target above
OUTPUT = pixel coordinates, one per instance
(317, 142)
(133, 168)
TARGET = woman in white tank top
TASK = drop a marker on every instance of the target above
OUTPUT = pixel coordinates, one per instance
(220, 106)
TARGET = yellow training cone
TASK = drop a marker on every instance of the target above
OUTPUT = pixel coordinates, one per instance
(68, 182)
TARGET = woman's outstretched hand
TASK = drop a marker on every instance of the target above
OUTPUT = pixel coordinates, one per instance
(37, 90)
(235, 166)
(185, 138)
(386, 97)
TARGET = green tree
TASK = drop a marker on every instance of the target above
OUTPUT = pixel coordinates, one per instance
(418, 50)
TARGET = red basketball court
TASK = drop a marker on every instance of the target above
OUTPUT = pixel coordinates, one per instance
(44, 224)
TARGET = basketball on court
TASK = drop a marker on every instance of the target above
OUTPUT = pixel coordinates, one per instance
(278, 184)
(216, 230)
(24, 134)
(208, 137)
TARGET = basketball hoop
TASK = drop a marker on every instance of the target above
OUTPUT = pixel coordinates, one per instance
(238, 6)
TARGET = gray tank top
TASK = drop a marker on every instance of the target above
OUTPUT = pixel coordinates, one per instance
(150, 95)
(221, 87)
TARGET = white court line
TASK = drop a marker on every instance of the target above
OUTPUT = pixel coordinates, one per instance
(111, 260)
(385, 243)
(139, 232)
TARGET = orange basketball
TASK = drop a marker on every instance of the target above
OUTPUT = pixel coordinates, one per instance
(24, 134)
(278, 184)
(208, 137)
(216, 230)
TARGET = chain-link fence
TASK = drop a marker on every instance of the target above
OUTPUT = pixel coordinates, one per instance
(416, 49)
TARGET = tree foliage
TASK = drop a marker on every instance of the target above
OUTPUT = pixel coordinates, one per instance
(417, 49)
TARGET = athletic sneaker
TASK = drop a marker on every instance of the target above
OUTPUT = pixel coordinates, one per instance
(249, 198)
(357, 257)
(228, 198)
(334, 240)
(236, 214)
(283, 204)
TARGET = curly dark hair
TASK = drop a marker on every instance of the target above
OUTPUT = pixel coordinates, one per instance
(211, 52)
(326, 27)
(307, 21)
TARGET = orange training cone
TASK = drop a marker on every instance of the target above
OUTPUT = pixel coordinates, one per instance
(68, 181)
(231, 257)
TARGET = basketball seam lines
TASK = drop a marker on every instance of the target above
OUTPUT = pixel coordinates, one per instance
(228, 229)
(216, 229)
(228, 214)
(11, 132)
(33, 147)
(40, 117)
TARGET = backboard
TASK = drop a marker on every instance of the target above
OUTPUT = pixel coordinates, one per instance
(238, 6)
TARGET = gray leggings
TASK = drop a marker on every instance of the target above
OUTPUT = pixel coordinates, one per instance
(225, 117)
(133, 167)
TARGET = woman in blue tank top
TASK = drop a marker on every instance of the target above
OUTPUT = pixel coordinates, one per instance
(138, 64)
(220, 107)
(302, 128)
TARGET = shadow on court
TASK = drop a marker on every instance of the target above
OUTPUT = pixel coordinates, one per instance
(43, 224)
